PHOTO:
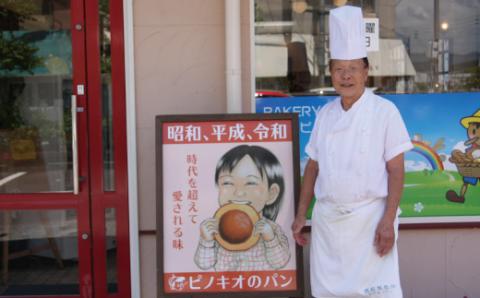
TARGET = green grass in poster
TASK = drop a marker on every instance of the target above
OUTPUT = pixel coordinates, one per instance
(310, 208)
(424, 195)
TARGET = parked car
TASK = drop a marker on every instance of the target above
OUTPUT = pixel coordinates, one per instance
(269, 93)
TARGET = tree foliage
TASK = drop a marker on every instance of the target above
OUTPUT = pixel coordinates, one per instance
(17, 55)
(472, 83)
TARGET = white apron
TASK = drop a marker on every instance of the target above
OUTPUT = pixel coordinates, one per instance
(343, 257)
(344, 261)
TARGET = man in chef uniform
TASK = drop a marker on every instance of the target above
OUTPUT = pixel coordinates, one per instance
(356, 170)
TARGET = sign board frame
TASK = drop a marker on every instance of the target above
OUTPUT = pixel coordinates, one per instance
(189, 149)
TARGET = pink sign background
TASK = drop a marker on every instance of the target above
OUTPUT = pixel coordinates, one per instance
(175, 179)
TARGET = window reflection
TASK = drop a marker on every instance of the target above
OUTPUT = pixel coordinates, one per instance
(35, 90)
(39, 252)
(111, 250)
(423, 46)
(106, 75)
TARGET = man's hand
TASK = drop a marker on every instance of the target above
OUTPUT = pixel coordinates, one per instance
(306, 194)
(384, 236)
(385, 233)
(297, 227)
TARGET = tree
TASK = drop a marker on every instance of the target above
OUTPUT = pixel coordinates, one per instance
(17, 55)
(472, 83)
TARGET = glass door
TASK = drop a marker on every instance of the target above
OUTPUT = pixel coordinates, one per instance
(45, 230)
(107, 148)
(63, 161)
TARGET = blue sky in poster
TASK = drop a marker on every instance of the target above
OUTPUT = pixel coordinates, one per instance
(433, 117)
(428, 117)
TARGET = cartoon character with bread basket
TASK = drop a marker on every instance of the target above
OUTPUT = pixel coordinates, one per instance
(468, 163)
(243, 235)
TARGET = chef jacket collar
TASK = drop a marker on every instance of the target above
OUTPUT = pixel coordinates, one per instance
(357, 104)
(346, 117)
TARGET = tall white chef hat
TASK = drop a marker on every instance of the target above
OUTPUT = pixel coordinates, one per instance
(347, 33)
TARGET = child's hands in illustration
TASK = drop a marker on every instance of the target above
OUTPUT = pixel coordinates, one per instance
(208, 229)
(264, 229)
(476, 155)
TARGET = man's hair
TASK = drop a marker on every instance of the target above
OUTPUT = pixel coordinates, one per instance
(364, 59)
(266, 163)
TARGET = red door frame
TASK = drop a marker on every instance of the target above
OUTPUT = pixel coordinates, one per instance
(81, 201)
(100, 199)
(92, 200)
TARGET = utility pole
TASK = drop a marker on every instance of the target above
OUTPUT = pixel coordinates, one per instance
(435, 44)
(320, 35)
(436, 19)
(477, 54)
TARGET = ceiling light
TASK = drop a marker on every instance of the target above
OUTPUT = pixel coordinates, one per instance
(339, 2)
(299, 6)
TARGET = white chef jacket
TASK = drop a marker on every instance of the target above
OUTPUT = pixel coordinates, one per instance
(352, 148)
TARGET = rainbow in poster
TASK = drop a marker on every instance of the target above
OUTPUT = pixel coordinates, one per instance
(429, 153)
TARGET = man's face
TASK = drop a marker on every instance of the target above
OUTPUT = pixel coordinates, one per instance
(349, 77)
(245, 185)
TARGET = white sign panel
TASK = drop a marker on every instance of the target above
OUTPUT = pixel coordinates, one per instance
(372, 34)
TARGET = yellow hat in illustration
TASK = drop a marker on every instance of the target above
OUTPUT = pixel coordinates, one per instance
(475, 118)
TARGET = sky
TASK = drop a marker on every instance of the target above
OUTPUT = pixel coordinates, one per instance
(414, 19)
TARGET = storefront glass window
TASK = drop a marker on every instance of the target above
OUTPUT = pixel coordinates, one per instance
(417, 46)
(35, 97)
(107, 120)
(39, 252)
(111, 249)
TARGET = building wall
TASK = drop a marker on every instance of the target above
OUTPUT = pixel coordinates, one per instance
(180, 69)
(440, 263)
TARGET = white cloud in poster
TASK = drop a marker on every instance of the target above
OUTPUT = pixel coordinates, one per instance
(447, 165)
(460, 146)
(303, 163)
(416, 166)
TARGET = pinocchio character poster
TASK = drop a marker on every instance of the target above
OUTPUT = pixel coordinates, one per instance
(226, 188)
